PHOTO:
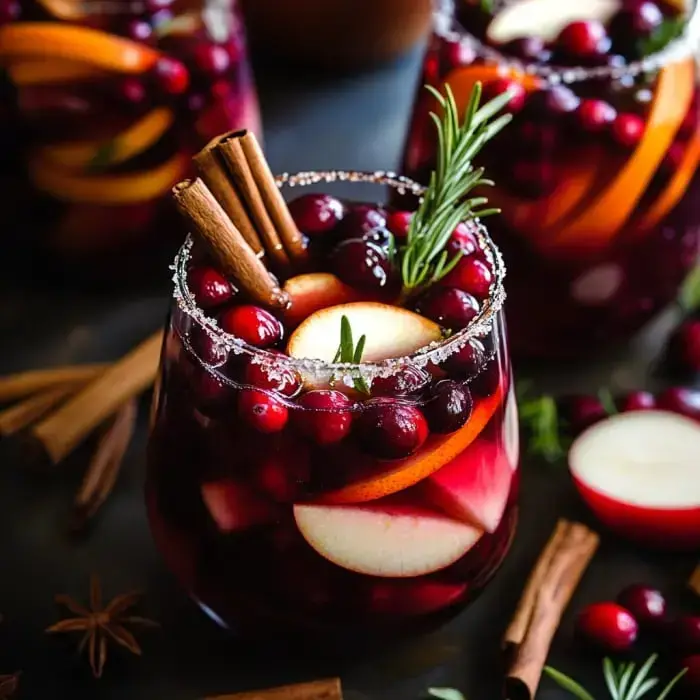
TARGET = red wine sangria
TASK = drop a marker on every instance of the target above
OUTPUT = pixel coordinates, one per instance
(107, 102)
(597, 175)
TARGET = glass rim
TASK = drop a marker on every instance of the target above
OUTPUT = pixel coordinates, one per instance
(436, 352)
(682, 47)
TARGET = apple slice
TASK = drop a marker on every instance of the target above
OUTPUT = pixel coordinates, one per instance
(474, 486)
(315, 291)
(234, 506)
(390, 331)
(546, 18)
(640, 474)
(408, 597)
(387, 539)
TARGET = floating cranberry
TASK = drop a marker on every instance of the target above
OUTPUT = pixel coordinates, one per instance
(279, 378)
(647, 605)
(463, 240)
(608, 627)
(488, 380)
(556, 100)
(405, 381)
(583, 39)
(360, 219)
(212, 393)
(398, 222)
(530, 48)
(139, 30)
(316, 213)
(363, 265)
(471, 275)
(171, 75)
(684, 346)
(324, 415)
(207, 349)
(583, 411)
(456, 53)
(390, 429)
(450, 307)
(684, 634)
(627, 129)
(690, 682)
(681, 400)
(212, 59)
(253, 325)
(262, 411)
(637, 401)
(449, 407)
(638, 20)
(495, 88)
(209, 287)
(468, 360)
(281, 470)
(131, 90)
(595, 115)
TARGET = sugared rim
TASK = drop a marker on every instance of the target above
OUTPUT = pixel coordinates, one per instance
(436, 352)
(446, 26)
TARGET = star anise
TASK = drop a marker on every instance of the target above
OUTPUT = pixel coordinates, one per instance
(8, 685)
(99, 624)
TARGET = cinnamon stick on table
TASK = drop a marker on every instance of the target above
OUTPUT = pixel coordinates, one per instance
(694, 580)
(17, 386)
(327, 689)
(550, 587)
(23, 414)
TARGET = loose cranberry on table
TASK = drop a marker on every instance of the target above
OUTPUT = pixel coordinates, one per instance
(316, 213)
(408, 380)
(449, 408)
(209, 287)
(262, 411)
(448, 306)
(252, 324)
(608, 627)
(583, 411)
(470, 275)
(362, 265)
(684, 346)
(265, 375)
(324, 415)
(647, 605)
(390, 429)
(681, 400)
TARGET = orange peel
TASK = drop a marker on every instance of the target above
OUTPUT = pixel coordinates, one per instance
(438, 451)
(38, 72)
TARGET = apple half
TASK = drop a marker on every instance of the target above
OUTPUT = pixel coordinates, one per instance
(639, 472)
(314, 291)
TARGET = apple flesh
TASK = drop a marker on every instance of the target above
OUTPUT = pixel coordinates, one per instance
(639, 472)
(234, 507)
(546, 18)
(312, 292)
(385, 538)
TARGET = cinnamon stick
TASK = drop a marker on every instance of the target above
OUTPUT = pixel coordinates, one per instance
(567, 565)
(17, 386)
(231, 150)
(63, 430)
(23, 414)
(212, 171)
(277, 209)
(327, 689)
(694, 580)
(226, 243)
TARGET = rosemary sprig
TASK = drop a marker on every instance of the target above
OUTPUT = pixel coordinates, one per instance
(423, 259)
(349, 352)
(540, 418)
(623, 681)
(671, 28)
(446, 693)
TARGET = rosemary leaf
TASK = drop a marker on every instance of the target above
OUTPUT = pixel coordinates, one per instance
(671, 685)
(445, 693)
(567, 683)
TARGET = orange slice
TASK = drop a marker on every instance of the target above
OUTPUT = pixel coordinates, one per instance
(51, 40)
(600, 221)
(128, 188)
(437, 452)
(674, 190)
(129, 143)
(46, 72)
(65, 9)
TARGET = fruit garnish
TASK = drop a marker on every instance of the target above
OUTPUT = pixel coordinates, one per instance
(422, 259)
(349, 352)
(671, 28)
(314, 291)
(623, 680)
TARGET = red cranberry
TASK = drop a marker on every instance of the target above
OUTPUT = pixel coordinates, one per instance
(212, 393)
(583, 411)
(583, 39)
(454, 54)
(10, 11)
(463, 240)
(390, 429)
(280, 470)
(638, 20)
(690, 682)
(558, 100)
(398, 222)
(279, 378)
(684, 346)
(171, 75)
(684, 634)
(530, 48)
(206, 348)
(608, 627)
(449, 407)
(131, 90)
(468, 360)
(681, 400)
(627, 129)
(498, 87)
(471, 275)
(408, 380)
(209, 287)
(360, 219)
(316, 213)
(253, 325)
(324, 415)
(363, 265)
(488, 380)
(637, 401)
(595, 115)
(381, 237)
(139, 30)
(450, 307)
(262, 411)
(646, 605)
(212, 59)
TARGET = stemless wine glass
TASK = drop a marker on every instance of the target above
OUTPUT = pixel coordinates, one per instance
(304, 527)
(596, 177)
(110, 101)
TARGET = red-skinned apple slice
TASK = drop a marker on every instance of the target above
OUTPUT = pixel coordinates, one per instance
(234, 506)
(314, 291)
(385, 538)
(640, 474)
(546, 18)
(390, 331)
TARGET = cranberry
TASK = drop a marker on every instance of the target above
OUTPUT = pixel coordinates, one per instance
(627, 129)
(583, 411)
(690, 682)
(262, 411)
(390, 429)
(209, 287)
(673, 158)
(139, 30)
(363, 265)
(360, 219)
(131, 90)
(684, 346)
(398, 222)
(681, 400)
(468, 360)
(206, 348)
(455, 53)
(316, 213)
(324, 415)
(684, 634)
(281, 470)
(471, 275)
(212, 59)
(487, 381)
(647, 605)
(498, 87)
(449, 408)
(10, 11)
(253, 325)
(608, 627)
(583, 39)
(153, 6)
(407, 380)
(450, 307)
(171, 75)
(529, 48)
(264, 375)
(595, 115)
(637, 401)
(212, 393)
(638, 20)
(463, 240)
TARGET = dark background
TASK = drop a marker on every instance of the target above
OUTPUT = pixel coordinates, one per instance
(353, 122)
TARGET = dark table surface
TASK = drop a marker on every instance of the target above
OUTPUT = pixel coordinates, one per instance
(354, 122)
